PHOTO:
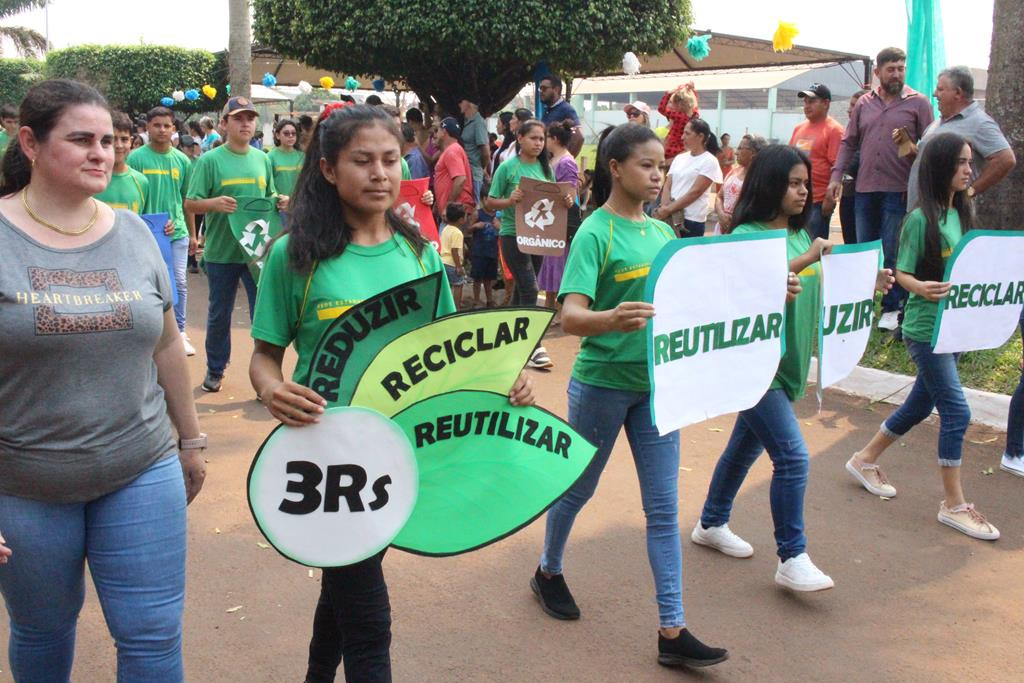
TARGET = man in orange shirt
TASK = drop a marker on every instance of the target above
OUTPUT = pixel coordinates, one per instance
(820, 137)
(453, 177)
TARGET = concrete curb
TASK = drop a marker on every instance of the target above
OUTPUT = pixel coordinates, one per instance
(987, 408)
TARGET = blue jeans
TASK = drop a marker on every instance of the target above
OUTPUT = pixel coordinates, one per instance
(937, 386)
(771, 425)
(179, 253)
(818, 222)
(879, 216)
(693, 229)
(223, 283)
(1015, 418)
(598, 414)
(134, 539)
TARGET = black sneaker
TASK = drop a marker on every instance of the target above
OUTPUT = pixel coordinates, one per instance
(211, 383)
(554, 596)
(686, 650)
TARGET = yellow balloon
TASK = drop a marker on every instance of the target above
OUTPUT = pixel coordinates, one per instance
(784, 35)
(326, 82)
(209, 91)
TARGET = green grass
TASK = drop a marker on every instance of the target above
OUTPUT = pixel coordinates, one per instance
(995, 370)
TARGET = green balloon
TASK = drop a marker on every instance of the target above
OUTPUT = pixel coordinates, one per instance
(356, 336)
(487, 469)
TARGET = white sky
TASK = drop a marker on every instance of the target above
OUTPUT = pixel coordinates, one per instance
(858, 26)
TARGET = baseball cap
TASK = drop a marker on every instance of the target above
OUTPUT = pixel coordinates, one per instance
(816, 90)
(451, 126)
(238, 104)
(187, 140)
(639, 106)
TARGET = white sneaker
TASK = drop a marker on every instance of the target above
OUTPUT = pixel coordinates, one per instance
(189, 349)
(722, 539)
(1013, 465)
(799, 574)
(890, 320)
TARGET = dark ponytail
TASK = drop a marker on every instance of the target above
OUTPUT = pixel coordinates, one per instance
(317, 222)
(545, 163)
(701, 127)
(41, 109)
(562, 131)
(615, 142)
(939, 161)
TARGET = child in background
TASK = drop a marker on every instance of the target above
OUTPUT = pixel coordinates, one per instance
(678, 106)
(483, 256)
(452, 251)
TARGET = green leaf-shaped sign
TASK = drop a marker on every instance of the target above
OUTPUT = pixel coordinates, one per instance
(482, 351)
(350, 343)
(487, 469)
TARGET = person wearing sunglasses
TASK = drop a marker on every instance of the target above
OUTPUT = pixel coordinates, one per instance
(638, 112)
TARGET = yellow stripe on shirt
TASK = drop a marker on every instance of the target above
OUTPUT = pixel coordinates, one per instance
(633, 274)
(243, 181)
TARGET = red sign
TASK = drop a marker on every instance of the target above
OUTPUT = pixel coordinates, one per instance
(411, 209)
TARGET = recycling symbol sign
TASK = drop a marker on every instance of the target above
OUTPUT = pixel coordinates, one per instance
(254, 239)
(540, 214)
(407, 213)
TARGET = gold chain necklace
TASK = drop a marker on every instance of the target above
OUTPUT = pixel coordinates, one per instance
(57, 228)
(643, 228)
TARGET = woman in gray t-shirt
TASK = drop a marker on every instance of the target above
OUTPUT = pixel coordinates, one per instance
(92, 374)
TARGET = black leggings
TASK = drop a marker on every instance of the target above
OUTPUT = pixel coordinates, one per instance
(352, 621)
(524, 269)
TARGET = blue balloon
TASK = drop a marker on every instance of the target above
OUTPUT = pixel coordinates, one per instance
(378, 84)
(269, 80)
(192, 95)
(167, 101)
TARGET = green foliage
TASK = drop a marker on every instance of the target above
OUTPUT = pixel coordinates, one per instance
(135, 77)
(995, 370)
(481, 49)
(16, 77)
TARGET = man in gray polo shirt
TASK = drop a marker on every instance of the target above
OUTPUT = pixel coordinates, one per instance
(475, 142)
(959, 113)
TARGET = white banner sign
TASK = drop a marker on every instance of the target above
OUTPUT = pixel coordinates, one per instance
(335, 492)
(981, 311)
(714, 344)
(848, 275)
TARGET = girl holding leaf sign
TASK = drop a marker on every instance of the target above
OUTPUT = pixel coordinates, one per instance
(775, 195)
(609, 389)
(344, 244)
(929, 235)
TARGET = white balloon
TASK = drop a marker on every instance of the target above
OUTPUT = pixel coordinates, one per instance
(305, 87)
(630, 64)
(178, 95)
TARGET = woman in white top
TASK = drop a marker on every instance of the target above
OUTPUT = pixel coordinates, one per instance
(690, 178)
(727, 197)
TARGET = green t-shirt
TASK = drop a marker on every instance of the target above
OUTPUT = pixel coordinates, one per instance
(338, 284)
(506, 179)
(608, 263)
(286, 167)
(406, 173)
(126, 190)
(801, 315)
(5, 140)
(222, 172)
(168, 175)
(919, 313)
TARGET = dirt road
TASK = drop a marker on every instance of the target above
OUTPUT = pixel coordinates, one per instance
(914, 600)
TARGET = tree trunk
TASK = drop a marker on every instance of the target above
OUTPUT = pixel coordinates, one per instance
(240, 48)
(1002, 205)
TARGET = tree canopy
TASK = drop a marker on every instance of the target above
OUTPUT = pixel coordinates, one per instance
(135, 77)
(485, 50)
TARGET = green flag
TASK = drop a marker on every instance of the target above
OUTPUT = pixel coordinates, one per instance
(926, 49)
(254, 223)
(484, 351)
(356, 336)
(486, 469)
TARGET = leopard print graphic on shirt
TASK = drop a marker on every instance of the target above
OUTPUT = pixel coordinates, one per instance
(49, 321)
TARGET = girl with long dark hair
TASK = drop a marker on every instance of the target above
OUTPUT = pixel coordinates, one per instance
(285, 158)
(776, 194)
(531, 162)
(609, 390)
(344, 244)
(930, 233)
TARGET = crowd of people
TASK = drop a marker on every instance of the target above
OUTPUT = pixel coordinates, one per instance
(84, 276)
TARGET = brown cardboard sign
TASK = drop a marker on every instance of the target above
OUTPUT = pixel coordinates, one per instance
(542, 217)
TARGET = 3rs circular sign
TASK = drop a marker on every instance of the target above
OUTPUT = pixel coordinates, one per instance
(336, 492)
